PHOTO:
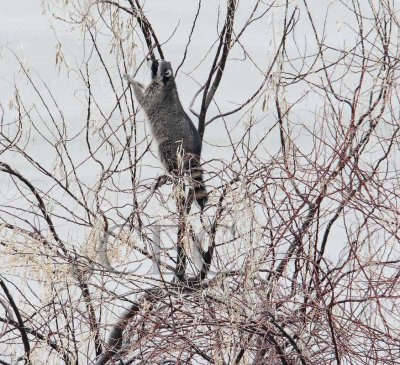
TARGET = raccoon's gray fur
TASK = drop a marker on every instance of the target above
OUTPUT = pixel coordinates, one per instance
(171, 126)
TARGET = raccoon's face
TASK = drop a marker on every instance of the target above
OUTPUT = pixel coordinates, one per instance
(161, 70)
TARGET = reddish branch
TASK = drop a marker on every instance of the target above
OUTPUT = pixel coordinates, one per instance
(21, 327)
(85, 290)
(218, 65)
(41, 337)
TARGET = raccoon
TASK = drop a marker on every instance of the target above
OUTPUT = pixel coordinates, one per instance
(173, 130)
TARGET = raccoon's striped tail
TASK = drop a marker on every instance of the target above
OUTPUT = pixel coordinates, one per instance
(196, 182)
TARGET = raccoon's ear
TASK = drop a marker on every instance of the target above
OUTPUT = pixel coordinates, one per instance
(167, 75)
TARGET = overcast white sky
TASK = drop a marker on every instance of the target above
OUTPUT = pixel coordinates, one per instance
(33, 36)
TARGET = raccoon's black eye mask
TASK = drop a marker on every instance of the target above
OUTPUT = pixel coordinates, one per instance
(154, 68)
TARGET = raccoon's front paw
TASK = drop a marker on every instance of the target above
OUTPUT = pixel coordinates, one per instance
(129, 78)
(133, 82)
